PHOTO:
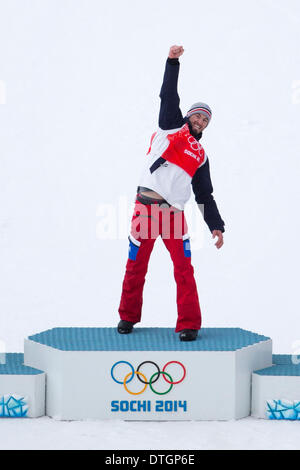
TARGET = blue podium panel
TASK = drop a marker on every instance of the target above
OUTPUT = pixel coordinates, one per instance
(146, 339)
(96, 373)
(276, 389)
(22, 388)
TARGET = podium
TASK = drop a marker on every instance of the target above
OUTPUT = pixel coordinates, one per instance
(96, 373)
(276, 389)
(22, 388)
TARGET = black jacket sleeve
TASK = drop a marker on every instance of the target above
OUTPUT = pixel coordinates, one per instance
(170, 115)
(203, 189)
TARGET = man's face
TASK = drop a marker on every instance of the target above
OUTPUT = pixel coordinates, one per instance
(198, 122)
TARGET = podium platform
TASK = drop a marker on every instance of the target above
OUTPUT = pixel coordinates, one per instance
(276, 389)
(22, 388)
(96, 373)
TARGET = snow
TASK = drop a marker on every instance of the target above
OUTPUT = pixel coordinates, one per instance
(81, 83)
(249, 433)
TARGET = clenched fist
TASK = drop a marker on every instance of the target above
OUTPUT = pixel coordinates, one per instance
(175, 52)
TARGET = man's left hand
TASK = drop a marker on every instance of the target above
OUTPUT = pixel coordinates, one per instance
(220, 241)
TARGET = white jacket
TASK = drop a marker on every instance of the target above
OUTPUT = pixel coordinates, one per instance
(170, 180)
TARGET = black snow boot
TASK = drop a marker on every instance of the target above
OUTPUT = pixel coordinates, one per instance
(125, 327)
(188, 335)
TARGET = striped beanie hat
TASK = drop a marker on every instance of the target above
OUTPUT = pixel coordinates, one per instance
(200, 108)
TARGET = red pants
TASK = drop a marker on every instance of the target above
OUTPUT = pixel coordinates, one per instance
(148, 222)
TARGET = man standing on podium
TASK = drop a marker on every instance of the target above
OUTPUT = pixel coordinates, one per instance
(175, 162)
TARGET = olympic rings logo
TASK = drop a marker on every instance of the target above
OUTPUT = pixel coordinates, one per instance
(143, 379)
(194, 144)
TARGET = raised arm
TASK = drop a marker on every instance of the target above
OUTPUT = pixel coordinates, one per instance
(170, 116)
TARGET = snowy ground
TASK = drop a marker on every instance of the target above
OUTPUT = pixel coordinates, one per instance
(248, 433)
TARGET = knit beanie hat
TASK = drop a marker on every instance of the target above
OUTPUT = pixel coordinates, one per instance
(200, 108)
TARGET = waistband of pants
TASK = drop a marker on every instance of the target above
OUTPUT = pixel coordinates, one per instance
(150, 200)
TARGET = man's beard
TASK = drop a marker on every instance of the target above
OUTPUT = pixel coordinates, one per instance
(195, 134)
(196, 129)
